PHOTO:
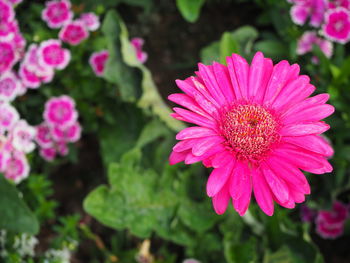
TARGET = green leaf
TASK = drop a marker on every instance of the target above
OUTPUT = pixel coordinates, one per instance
(237, 252)
(210, 53)
(134, 199)
(228, 45)
(272, 48)
(127, 79)
(245, 37)
(190, 9)
(15, 215)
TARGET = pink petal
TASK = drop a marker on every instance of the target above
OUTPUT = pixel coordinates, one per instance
(223, 77)
(222, 159)
(299, 14)
(309, 102)
(310, 114)
(239, 69)
(240, 180)
(176, 157)
(194, 132)
(204, 144)
(186, 101)
(262, 192)
(313, 143)
(256, 75)
(218, 179)
(221, 200)
(304, 129)
(242, 203)
(277, 186)
(192, 117)
(185, 145)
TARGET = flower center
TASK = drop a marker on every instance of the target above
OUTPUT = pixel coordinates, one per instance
(250, 130)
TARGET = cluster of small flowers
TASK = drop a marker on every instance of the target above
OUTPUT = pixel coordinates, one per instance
(331, 16)
(98, 59)
(16, 140)
(329, 223)
(58, 14)
(59, 128)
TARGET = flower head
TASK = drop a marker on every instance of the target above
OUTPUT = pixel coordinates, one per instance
(51, 54)
(137, 43)
(9, 86)
(57, 13)
(337, 25)
(6, 11)
(60, 111)
(98, 61)
(22, 136)
(90, 20)
(16, 167)
(330, 224)
(7, 56)
(256, 126)
(8, 117)
(74, 33)
(304, 9)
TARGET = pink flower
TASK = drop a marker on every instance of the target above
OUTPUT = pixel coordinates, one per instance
(8, 29)
(74, 33)
(256, 126)
(71, 133)
(51, 54)
(8, 117)
(98, 61)
(6, 11)
(310, 38)
(9, 86)
(137, 43)
(304, 9)
(337, 25)
(90, 20)
(330, 224)
(60, 111)
(7, 57)
(48, 154)
(339, 3)
(22, 136)
(57, 13)
(43, 136)
(16, 167)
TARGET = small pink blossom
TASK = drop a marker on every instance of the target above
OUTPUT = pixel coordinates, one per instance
(22, 136)
(9, 86)
(339, 3)
(6, 11)
(51, 54)
(74, 33)
(7, 57)
(90, 21)
(60, 111)
(330, 224)
(337, 25)
(16, 167)
(98, 61)
(57, 13)
(48, 154)
(71, 133)
(43, 136)
(137, 43)
(8, 29)
(309, 39)
(8, 117)
(304, 9)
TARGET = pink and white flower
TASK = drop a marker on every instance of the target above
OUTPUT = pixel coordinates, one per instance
(74, 33)
(43, 136)
(51, 54)
(256, 125)
(137, 43)
(8, 29)
(16, 167)
(48, 154)
(304, 9)
(8, 117)
(90, 20)
(22, 136)
(337, 25)
(339, 3)
(7, 13)
(309, 39)
(57, 13)
(71, 133)
(7, 57)
(9, 86)
(330, 224)
(98, 61)
(60, 111)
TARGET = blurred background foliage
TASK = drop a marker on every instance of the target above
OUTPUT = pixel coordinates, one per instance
(115, 189)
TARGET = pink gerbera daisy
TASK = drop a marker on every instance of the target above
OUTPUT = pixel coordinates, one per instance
(256, 126)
